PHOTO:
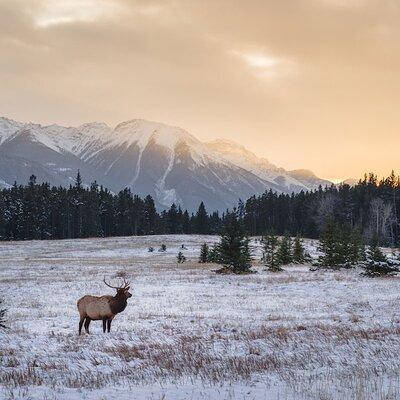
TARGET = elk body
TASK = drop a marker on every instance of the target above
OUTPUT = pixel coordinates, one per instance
(105, 308)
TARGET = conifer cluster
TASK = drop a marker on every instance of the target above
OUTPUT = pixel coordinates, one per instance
(341, 247)
(277, 253)
(38, 211)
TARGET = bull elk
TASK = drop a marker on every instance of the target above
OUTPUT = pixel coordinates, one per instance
(105, 308)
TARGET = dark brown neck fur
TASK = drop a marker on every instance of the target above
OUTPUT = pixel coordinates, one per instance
(118, 303)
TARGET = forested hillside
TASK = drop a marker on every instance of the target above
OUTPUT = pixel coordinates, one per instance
(39, 211)
(372, 207)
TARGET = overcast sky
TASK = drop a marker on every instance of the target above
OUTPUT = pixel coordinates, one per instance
(306, 83)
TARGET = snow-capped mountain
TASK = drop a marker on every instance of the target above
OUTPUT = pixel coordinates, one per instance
(288, 181)
(152, 158)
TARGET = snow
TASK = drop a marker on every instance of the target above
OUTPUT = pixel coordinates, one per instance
(88, 140)
(239, 156)
(166, 196)
(58, 138)
(4, 184)
(7, 128)
(141, 132)
(188, 333)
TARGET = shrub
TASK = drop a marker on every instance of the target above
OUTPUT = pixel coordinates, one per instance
(180, 258)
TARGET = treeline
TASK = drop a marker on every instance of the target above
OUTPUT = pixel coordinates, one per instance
(39, 211)
(372, 208)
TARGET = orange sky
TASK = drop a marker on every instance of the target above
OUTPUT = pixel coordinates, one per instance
(306, 83)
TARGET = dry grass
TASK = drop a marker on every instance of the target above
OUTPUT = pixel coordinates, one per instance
(321, 335)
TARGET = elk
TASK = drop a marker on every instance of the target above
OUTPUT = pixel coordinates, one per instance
(105, 308)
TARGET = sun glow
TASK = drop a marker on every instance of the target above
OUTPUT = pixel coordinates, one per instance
(260, 60)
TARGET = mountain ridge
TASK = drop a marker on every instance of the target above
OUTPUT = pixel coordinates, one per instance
(149, 157)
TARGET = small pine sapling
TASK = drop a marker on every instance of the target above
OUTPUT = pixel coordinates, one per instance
(270, 257)
(377, 264)
(204, 253)
(180, 258)
(162, 248)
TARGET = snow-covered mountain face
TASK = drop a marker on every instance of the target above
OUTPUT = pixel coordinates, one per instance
(150, 158)
(288, 181)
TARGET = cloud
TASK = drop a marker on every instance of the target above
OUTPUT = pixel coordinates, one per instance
(259, 60)
(56, 12)
(264, 65)
(272, 74)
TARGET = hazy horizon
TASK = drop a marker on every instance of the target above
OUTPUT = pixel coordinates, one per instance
(307, 84)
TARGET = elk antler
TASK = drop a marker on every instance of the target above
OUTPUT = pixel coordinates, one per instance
(124, 285)
(112, 287)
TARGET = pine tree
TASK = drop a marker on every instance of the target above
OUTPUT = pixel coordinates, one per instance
(214, 255)
(300, 256)
(333, 247)
(91, 226)
(173, 220)
(270, 256)
(202, 222)
(150, 215)
(78, 180)
(163, 248)
(180, 258)
(356, 247)
(377, 264)
(374, 252)
(77, 203)
(204, 253)
(233, 248)
(30, 221)
(284, 253)
(186, 226)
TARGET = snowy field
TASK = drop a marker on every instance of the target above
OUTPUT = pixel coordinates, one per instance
(188, 333)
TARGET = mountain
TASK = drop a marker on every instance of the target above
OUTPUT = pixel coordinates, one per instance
(350, 182)
(278, 178)
(152, 158)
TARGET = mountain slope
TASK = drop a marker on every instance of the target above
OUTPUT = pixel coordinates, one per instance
(285, 181)
(152, 158)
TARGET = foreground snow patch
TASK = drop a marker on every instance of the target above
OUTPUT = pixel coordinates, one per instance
(188, 333)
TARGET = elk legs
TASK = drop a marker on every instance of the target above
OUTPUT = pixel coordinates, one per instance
(80, 324)
(87, 323)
